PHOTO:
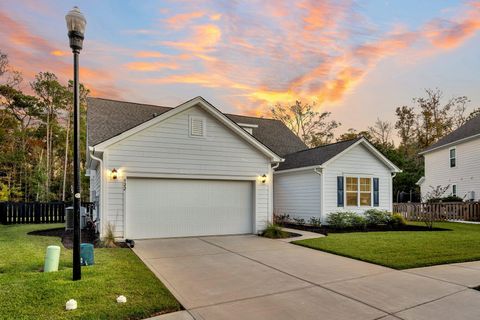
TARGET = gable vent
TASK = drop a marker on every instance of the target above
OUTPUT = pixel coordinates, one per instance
(197, 127)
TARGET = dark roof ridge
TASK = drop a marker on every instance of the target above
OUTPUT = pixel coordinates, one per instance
(327, 145)
(159, 106)
(131, 102)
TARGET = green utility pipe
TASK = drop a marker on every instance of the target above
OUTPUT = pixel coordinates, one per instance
(51, 259)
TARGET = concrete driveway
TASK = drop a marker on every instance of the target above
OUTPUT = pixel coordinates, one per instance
(249, 277)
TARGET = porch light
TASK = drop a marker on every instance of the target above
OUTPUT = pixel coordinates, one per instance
(114, 174)
(263, 178)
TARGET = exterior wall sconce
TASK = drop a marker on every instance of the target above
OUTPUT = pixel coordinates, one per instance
(114, 174)
(263, 178)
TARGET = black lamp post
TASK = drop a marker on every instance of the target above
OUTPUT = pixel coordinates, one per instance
(76, 27)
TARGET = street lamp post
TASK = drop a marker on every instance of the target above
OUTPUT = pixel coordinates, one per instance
(76, 27)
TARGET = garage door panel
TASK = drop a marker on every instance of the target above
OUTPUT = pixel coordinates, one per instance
(177, 208)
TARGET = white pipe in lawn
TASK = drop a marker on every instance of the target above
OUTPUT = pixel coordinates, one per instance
(71, 305)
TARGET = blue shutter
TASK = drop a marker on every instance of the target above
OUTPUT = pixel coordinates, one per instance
(340, 191)
(375, 192)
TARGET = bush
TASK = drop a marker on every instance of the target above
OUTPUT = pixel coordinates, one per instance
(339, 220)
(299, 221)
(315, 222)
(397, 220)
(274, 231)
(375, 217)
(108, 240)
(357, 221)
(445, 199)
(281, 219)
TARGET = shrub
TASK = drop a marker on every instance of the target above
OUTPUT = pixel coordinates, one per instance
(109, 240)
(357, 221)
(397, 220)
(339, 220)
(281, 219)
(274, 231)
(445, 199)
(375, 217)
(315, 222)
(299, 221)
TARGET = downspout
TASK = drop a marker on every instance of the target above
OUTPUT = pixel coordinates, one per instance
(102, 200)
(391, 190)
(270, 198)
(319, 171)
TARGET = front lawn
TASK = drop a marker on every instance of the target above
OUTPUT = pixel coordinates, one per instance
(405, 249)
(26, 293)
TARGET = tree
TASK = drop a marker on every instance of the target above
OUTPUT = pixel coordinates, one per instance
(353, 134)
(405, 125)
(54, 99)
(381, 134)
(311, 126)
(435, 119)
(475, 113)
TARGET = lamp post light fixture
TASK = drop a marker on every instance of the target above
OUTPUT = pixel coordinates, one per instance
(76, 28)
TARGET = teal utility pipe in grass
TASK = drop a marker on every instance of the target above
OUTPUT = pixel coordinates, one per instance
(52, 259)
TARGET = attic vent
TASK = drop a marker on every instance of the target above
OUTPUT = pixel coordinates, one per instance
(197, 127)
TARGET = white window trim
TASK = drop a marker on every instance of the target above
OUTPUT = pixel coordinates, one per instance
(454, 188)
(204, 125)
(358, 191)
(450, 157)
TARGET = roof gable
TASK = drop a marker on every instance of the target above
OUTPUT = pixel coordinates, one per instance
(323, 155)
(195, 102)
(109, 118)
(467, 131)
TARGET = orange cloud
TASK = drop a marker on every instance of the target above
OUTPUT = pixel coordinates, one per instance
(149, 54)
(58, 53)
(150, 66)
(180, 20)
(205, 37)
(450, 34)
(30, 54)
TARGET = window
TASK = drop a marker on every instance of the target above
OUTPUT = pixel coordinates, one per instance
(358, 191)
(454, 190)
(365, 192)
(197, 127)
(352, 191)
(453, 158)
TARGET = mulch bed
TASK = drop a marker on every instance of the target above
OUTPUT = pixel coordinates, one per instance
(325, 230)
(67, 236)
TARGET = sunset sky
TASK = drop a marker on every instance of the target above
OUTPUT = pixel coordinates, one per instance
(359, 60)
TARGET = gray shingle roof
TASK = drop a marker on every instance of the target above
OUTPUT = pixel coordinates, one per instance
(315, 156)
(108, 118)
(470, 128)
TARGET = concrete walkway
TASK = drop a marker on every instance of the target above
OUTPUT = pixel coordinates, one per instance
(249, 277)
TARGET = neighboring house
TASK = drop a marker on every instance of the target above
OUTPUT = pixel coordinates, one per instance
(454, 161)
(345, 176)
(185, 171)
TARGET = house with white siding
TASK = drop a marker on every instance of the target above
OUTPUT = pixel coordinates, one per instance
(184, 171)
(453, 163)
(192, 170)
(349, 175)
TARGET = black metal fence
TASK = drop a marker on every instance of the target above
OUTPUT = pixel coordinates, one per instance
(36, 212)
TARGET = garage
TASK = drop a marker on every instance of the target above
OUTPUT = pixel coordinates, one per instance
(162, 208)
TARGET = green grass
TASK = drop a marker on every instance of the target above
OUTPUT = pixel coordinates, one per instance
(26, 293)
(405, 249)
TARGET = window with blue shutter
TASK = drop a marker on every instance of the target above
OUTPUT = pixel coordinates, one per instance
(340, 191)
(376, 194)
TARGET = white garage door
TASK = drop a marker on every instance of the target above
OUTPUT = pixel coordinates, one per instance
(159, 208)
